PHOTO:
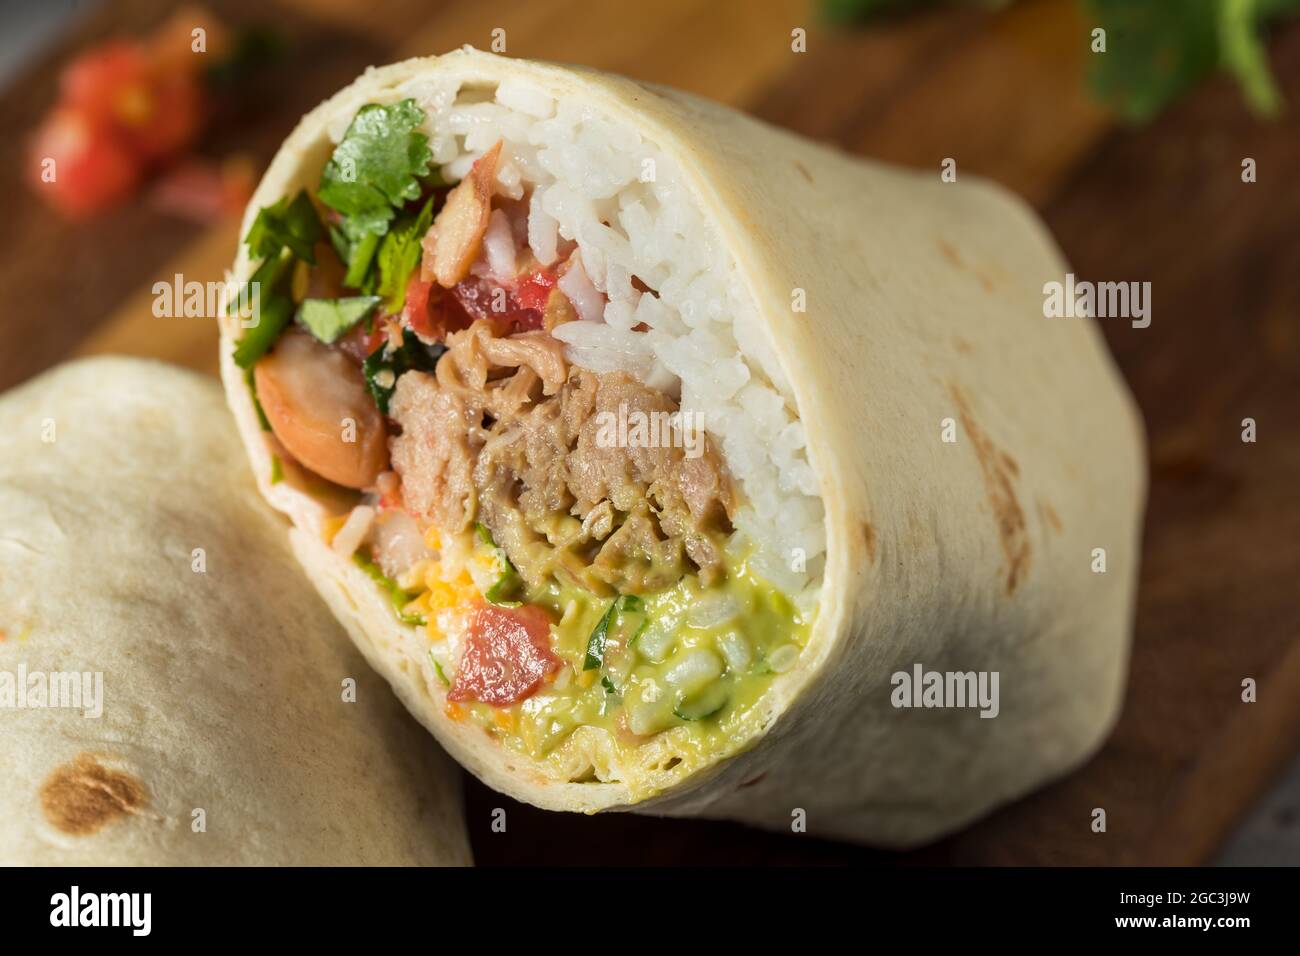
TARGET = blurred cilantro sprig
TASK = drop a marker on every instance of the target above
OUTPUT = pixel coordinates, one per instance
(1156, 50)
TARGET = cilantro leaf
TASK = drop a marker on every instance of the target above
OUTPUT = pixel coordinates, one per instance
(1156, 50)
(357, 251)
(327, 319)
(276, 315)
(377, 167)
(1241, 48)
(397, 597)
(1154, 53)
(399, 255)
(385, 365)
(262, 420)
(508, 582)
(442, 675)
(272, 306)
(283, 233)
(285, 224)
(595, 657)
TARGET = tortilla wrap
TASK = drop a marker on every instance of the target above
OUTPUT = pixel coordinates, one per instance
(970, 455)
(223, 736)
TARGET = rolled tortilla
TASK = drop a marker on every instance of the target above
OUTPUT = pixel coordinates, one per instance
(925, 465)
(172, 691)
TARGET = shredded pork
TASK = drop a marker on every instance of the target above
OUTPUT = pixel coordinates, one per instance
(506, 434)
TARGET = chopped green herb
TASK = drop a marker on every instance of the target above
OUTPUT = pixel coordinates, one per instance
(377, 166)
(396, 596)
(282, 233)
(357, 251)
(277, 470)
(1242, 51)
(286, 224)
(600, 633)
(706, 703)
(257, 404)
(633, 604)
(438, 669)
(1156, 50)
(327, 319)
(384, 365)
(596, 642)
(399, 255)
(272, 307)
(508, 584)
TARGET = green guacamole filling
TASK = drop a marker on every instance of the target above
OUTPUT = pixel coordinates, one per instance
(689, 659)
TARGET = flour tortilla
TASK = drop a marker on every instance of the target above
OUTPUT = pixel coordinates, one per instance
(924, 306)
(222, 690)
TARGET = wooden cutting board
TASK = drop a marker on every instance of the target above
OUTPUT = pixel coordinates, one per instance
(1003, 95)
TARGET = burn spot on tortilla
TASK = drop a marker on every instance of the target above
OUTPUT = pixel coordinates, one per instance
(1049, 515)
(1000, 471)
(803, 170)
(82, 796)
(949, 252)
(869, 541)
(962, 345)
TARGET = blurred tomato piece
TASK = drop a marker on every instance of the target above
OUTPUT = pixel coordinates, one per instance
(79, 163)
(359, 342)
(157, 110)
(125, 108)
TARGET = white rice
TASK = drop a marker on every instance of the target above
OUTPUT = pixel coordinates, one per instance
(599, 183)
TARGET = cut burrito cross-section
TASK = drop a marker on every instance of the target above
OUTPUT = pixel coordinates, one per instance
(608, 421)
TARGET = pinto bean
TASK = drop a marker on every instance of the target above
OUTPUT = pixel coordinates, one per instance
(317, 403)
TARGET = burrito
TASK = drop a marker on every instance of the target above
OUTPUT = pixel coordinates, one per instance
(645, 450)
(172, 692)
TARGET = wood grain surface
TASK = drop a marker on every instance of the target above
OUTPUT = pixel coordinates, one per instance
(1002, 94)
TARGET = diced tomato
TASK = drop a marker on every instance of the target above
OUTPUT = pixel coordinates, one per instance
(79, 164)
(484, 299)
(476, 297)
(507, 655)
(430, 312)
(358, 343)
(535, 289)
(415, 312)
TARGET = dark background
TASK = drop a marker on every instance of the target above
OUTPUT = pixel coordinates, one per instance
(1001, 92)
